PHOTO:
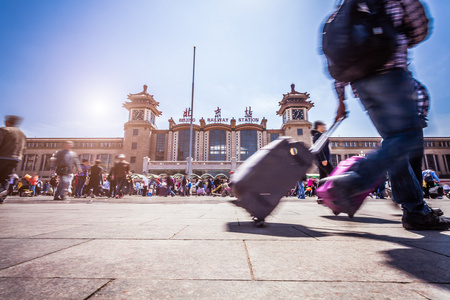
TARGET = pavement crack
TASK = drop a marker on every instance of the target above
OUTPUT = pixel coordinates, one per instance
(98, 290)
(179, 232)
(250, 266)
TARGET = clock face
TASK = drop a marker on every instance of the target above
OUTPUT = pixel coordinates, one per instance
(297, 114)
(138, 114)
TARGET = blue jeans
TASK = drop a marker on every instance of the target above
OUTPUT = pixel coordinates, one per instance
(301, 191)
(63, 185)
(169, 191)
(80, 185)
(33, 189)
(387, 97)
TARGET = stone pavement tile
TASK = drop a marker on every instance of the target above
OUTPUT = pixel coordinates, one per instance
(432, 291)
(240, 231)
(200, 289)
(155, 259)
(53, 288)
(364, 260)
(117, 231)
(16, 251)
(26, 229)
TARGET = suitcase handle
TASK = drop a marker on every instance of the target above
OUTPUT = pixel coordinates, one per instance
(320, 143)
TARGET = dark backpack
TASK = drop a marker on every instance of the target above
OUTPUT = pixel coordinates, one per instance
(428, 178)
(358, 39)
(422, 99)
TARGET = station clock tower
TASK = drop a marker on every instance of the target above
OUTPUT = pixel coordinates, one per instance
(294, 108)
(143, 110)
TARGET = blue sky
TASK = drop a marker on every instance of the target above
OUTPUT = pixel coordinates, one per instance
(67, 66)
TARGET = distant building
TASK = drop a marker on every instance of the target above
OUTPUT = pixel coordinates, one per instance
(220, 143)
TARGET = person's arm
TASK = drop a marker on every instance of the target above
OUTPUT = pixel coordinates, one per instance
(415, 22)
(340, 91)
(76, 162)
(435, 176)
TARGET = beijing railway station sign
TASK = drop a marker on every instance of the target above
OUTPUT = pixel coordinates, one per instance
(248, 117)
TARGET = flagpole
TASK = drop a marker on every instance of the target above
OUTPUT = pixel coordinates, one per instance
(192, 117)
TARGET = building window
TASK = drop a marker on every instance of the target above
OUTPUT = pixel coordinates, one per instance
(106, 145)
(46, 162)
(51, 145)
(350, 144)
(349, 155)
(29, 162)
(447, 159)
(132, 159)
(135, 132)
(106, 160)
(248, 143)
(217, 145)
(183, 144)
(33, 145)
(160, 147)
(335, 159)
(274, 136)
(134, 145)
(432, 162)
(299, 131)
(87, 145)
(334, 144)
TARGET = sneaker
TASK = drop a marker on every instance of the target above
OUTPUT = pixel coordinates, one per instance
(415, 221)
(92, 196)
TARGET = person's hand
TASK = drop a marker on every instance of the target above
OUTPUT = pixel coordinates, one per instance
(324, 163)
(341, 111)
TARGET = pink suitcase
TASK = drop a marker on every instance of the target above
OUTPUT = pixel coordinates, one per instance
(340, 205)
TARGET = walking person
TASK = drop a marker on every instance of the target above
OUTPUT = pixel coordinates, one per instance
(144, 185)
(430, 179)
(170, 185)
(81, 179)
(386, 94)
(63, 162)
(95, 180)
(12, 146)
(322, 159)
(112, 183)
(121, 170)
(32, 183)
(301, 189)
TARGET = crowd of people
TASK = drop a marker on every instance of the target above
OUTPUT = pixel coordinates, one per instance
(93, 180)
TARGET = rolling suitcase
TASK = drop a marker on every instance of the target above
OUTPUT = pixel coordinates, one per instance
(264, 178)
(344, 205)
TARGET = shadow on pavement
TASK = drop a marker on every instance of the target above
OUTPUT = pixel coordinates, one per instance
(274, 229)
(359, 219)
(423, 263)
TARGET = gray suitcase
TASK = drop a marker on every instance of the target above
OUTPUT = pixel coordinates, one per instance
(265, 177)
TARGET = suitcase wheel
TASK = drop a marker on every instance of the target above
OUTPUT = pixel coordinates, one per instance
(351, 215)
(258, 222)
(336, 213)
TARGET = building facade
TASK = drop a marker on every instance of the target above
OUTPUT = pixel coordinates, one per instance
(219, 144)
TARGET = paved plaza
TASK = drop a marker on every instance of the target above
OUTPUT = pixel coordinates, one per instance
(206, 248)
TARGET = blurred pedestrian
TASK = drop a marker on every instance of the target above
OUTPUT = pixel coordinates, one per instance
(386, 94)
(121, 170)
(63, 163)
(12, 145)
